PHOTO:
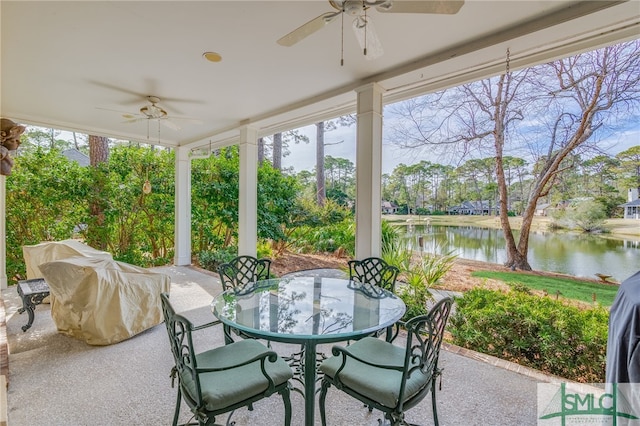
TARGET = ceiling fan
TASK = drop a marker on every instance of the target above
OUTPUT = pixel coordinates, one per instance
(362, 23)
(153, 111)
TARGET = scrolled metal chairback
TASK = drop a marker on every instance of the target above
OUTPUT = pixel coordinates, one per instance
(374, 270)
(425, 334)
(243, 270)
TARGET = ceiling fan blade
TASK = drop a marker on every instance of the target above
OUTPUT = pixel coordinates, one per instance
(307, 29)
(130, 120)
(446, 7)
(125, 114)
(367, 37)
(124, 90)
(169, 124)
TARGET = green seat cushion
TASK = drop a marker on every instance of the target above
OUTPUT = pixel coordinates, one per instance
(225, 388)
(378, 384)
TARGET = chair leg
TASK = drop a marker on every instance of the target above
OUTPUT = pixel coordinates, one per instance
(227, 335)
(286, 397)
(323, 396)
(177, 412)
(433, 403)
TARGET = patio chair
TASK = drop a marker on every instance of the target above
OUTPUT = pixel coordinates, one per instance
(225, 378)
(387, 377)
(239, 272)
(374, 270)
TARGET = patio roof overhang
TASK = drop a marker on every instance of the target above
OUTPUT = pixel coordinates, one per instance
(90, 66)
(82, 65)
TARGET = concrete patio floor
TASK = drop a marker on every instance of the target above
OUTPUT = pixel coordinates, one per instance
(58, 380)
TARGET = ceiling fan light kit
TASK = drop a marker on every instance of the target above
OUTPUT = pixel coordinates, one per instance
(363, 25)
(153, 111)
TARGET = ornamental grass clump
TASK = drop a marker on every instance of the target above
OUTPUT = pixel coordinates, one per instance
(533, 331)
(418, 273)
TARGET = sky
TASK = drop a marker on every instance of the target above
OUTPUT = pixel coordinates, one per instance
(303, 156)
(341, 143)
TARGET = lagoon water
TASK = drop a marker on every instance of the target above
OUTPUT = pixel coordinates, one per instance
(576, 254)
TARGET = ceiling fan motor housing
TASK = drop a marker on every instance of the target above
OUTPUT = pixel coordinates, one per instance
(153, 111)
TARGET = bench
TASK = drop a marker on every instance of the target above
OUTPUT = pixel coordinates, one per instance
(32, 292)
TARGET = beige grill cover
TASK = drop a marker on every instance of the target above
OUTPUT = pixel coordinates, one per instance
(102, 301)
(36, 255)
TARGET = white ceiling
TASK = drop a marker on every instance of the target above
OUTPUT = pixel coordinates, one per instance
(80, 65)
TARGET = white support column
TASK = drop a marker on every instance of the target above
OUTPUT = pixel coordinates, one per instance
(182, 254)
(3, 232)
(369, 171)
(248, 192)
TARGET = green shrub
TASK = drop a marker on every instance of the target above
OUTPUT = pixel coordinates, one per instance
(211, 259)
(533, 331)
(325, 239)
(265, 249)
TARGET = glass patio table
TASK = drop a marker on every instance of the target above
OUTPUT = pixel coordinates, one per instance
(308, 311)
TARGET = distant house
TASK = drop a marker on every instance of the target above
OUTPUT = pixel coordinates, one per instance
(632, 207)
(389, 208)
(467, 207)
(542, 209)
(75, 155)
(480, 208)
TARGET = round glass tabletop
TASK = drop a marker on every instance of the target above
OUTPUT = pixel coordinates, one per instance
(308, 308)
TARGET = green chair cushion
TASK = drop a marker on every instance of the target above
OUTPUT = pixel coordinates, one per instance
(378, 384)
(225, 388)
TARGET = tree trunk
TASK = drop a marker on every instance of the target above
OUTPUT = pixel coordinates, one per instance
(321, 194)
(516, 258)
(277, 151)
(260, 150)
(98, 153)
(98, 150)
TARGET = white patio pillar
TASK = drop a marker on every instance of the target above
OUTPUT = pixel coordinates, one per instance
(182, 254)
(3, 232)
(248, 192)
(369, 171)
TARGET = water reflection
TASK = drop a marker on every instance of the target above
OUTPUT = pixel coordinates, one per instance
(309, 306)
(575, 254)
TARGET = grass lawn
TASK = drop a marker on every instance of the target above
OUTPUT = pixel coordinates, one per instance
(568, 288)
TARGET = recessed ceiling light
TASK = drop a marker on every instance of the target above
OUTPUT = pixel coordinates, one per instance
(212, 56)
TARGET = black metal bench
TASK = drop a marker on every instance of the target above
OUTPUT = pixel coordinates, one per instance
(32, 292)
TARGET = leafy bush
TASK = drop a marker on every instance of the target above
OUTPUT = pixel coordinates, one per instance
(391, 235)
(210, 260)
(214, 212)
(536, 332)
(588, 216)
(265, 249)
(44, 202)
(330, 238)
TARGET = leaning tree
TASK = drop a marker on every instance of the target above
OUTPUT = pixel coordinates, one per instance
(552, 111)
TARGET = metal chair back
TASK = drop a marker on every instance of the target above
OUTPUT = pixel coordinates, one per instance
(243, 270)
(374, 270)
